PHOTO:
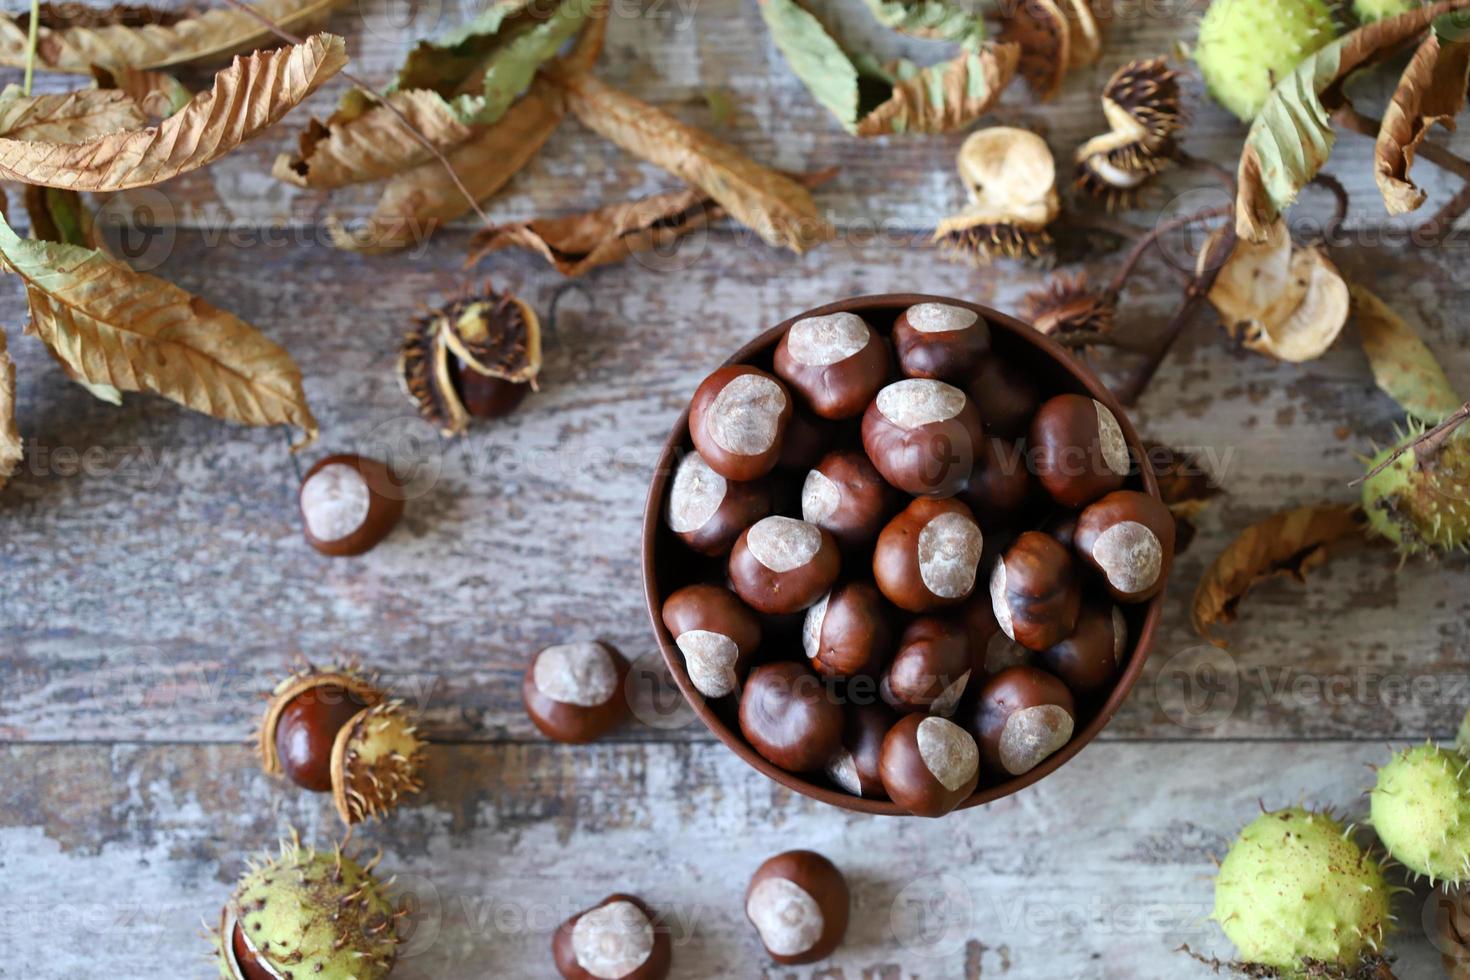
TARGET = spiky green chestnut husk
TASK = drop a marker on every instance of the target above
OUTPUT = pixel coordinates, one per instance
(1371, 10)
(1246, 46)
(1421, 812)
(310, 913)
(1296, 889)
(1422, 506)
(1462, 737)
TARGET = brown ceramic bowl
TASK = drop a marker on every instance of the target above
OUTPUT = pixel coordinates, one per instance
(668, 564)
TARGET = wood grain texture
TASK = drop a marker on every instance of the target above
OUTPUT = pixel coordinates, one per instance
(133, 845)
(175, 576)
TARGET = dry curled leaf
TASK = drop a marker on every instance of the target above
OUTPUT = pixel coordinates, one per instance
(74, 38)
(416, 202)
(1292, 136)
(113, 326)
(1186, 486)
(1402, 365)
(1042, 32)
(576, 244)
(1431, 90)
(247, 98)
(770, 203)
(158, 93)
(870, 99)
(11, 448)
(67, 117)
(446, 89)
(1291, 543)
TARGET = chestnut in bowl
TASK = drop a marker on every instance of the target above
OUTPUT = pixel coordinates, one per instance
(738, 421)
(848, 631)
(835, 362)
(1021, 717)
(1034, 591)
(924, 436)
(791, 717)
(1079, 449)
(707, 511)
(931, 669)
(929, 764)
(781, 565)
(1128, 537)
(1028, 365)
(716, 632)
(845, 496)
(928, 556)
(940, 341)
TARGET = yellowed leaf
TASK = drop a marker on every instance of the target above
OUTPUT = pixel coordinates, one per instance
(112, 326)
(418, 201)
(11, 448)
(73, 38)
(1403, 366)
(773, 205)
(66, 117)
(247, 98)
(1291, 543)
(1431, 90)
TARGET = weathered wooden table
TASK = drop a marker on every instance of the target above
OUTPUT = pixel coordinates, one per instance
(153, 579)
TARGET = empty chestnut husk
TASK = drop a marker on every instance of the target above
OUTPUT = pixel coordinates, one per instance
(573, 692)
(1078, 450)
(1034, 591)
(781, 565)
(798, 902)
(924, 437)
(847, 631)
(940, 341)
(1128, 537)
(717, 634)
(1021, 717)
(790, 717)
(707, 511)
(619, 938)
(835, 362)
(929, 765)
(927, 556)
(738, 420)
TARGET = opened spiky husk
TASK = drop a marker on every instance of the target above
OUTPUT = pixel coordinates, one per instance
(1144, 112)
(1421, 812)
(308, 913)
(1010, 177)
(1296, 890)
(359, 686)
(1071, 311)
(375, 761)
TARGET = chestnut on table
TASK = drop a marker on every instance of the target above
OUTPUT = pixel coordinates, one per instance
(619, 938)
(573, 692)
(799, 904)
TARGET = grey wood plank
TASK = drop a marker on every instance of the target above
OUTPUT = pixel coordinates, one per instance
(169, 569)
(1101, 871)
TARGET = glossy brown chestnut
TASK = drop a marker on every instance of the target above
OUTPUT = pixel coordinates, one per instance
(619, 938)
(716, 632)
(483, 396)
(855, 767)
(835, 362)
(931, 669)
(798, 903)
(929, 764)
(1005, 396)
(1128, 537)
(707, 511)
(928, 555)
(349, 504)
(1078, 450)
(1022, 716)
(991, 651)
(807, 439)
(782, 565)
(924, 437)
(573, 692)
(847, 631)
(845, 496)
(1090, 660)
(1063, 526)
(1000, 486)
(738, 421)
(1034, 591)
(790, 716)
(246, 959)
(307, 729)
(939, 341)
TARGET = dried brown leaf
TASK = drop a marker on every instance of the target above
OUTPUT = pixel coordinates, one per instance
(1431, 90)
(773, 205)
(67, 117)
(1402, 365)
(576, 244)
(1040, 28)
(946, 97)
(1186, 486)
(247, 98)
(73, 38)
(158, 93)
(416, 202)
(11, 448)
(1291, 543)
(112, 326)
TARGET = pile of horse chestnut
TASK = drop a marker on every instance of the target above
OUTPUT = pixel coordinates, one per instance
(905, 563)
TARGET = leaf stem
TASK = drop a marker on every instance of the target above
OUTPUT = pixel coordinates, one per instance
(1135, 254)
(372, 93)
(1423, 447)
(33, 32)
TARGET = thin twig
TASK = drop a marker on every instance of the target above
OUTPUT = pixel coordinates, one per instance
(1424, 446)
(1213, 260)
(1136, 253)
(372, 93)
(1339, 215)
(1365, 125)
(1208, 166)
(1434, 231)
(33, 32)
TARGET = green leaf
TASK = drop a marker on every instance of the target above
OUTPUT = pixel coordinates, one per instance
(933, 19)
(1403, 366)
